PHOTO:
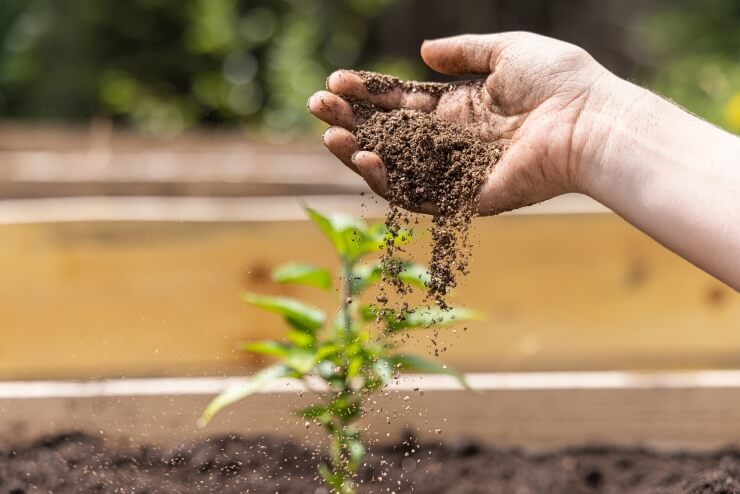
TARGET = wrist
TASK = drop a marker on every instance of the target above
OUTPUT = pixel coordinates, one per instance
(604, 129)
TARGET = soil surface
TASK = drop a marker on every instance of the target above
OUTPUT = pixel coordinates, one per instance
(430, 163)
(78, 463)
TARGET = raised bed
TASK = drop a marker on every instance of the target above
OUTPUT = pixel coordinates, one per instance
(573, 432)
(123, 256)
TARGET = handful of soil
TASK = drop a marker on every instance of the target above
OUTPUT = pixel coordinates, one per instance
(429, 161)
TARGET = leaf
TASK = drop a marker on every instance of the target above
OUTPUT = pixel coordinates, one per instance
(345, 408)
(371, 312)
(355, 367)
(301, 339)
(322, 222)
(300, 360)
(352, 238)
(326, 370)
(267, 347)
(356, 453)
(428, 317)
(326, 350)
(381, 237)
(297, 314)
(384, 370)
(316, 412)
(366, 274)
(240, 391)
(415, 275)
(303, 274)
(347, 234)
(382, 373)
(404, 361)
(334, 480)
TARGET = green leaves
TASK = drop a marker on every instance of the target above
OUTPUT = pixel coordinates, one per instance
(267, 347)
(297, 314)
(240, 391)
(353, 361)
(403, 361)
(347, 235)
(303, 274)
(353, 238)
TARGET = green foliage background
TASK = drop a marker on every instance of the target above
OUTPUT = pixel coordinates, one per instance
(163, 66)
(694, 48)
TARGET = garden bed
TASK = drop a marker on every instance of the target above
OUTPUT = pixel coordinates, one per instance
(518, 432)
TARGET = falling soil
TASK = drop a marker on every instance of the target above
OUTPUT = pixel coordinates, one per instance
(78, 463)
(431, 164)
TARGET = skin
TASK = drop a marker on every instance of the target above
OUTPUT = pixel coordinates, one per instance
(569, 125)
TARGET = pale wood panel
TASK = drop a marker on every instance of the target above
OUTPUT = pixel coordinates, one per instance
(695, 419)
(560, 291)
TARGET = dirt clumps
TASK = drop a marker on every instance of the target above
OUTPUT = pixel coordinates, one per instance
(431, 164)
(77, 463)
(382, 84)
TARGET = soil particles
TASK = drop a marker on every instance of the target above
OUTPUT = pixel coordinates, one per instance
(430, 163)
(78, 463)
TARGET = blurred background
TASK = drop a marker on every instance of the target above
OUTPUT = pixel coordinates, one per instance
(164, 66)
(151, 152)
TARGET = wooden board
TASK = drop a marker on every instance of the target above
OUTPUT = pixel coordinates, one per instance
(86, 299)
(542, 417)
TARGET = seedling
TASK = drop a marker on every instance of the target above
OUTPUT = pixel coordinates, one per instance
(350, 354)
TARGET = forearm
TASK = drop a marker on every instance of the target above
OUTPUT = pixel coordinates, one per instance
(670, 174)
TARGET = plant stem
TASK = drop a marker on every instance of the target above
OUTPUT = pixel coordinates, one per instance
(347, 273)
(339, 456)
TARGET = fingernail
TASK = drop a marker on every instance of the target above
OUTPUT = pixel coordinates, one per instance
(323, 136)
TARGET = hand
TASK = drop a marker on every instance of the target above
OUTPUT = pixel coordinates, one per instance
(539, 99)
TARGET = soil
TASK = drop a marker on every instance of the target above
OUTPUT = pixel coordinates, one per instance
(429, 162)
(78, 463)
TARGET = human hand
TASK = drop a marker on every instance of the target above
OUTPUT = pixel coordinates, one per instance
(540, 99)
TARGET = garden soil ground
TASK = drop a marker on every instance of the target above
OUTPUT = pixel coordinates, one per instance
(77, 463)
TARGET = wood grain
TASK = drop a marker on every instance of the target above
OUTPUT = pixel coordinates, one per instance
(94, 299)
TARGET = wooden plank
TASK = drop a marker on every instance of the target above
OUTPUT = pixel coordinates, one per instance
(53, 162)
(162, 298)
(687, 417)
(223, 209)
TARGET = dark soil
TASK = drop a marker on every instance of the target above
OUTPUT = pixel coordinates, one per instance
(78, 463)
(430, 163)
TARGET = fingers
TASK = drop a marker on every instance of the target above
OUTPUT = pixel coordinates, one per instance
(371, 168)
(342, 144)
(465, 54)
(332, 109)
(350, 83)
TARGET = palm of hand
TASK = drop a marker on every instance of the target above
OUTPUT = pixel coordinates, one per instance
(535, 91)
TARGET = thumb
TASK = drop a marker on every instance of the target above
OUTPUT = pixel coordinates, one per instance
(464, 54)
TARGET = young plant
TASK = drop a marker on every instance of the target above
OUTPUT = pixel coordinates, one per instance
(343, 352)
